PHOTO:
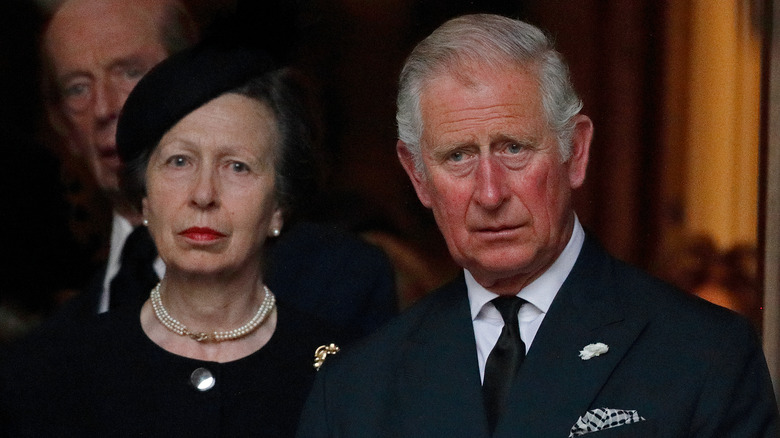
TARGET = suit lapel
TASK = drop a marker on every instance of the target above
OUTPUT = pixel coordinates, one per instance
(438, 386)
(555, 386)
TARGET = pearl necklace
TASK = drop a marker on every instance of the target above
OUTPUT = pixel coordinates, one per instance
(172, 324)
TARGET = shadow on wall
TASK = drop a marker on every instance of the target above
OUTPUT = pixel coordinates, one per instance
(726, 277)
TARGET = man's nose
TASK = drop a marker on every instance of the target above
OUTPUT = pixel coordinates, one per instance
(108, 101)
(491, 183)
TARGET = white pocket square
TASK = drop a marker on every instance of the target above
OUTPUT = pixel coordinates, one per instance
(604, 418)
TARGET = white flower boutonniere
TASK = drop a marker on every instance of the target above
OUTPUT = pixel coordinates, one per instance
(593, 350)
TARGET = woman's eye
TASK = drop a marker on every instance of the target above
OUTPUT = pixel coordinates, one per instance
(177, 161)
(239, 167)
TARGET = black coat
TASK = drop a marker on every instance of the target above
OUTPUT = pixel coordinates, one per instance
(104, 377)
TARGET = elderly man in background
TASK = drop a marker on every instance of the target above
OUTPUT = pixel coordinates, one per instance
(544, 334)
(95, 52)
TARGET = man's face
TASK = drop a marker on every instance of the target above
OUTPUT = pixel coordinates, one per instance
(99, 50)
(494, 176)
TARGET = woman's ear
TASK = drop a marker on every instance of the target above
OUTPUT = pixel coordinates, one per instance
(145, 210)
(277, 222)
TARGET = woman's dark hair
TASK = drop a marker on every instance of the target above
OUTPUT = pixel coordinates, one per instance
(289, 96)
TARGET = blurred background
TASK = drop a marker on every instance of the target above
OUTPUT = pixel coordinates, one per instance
(677, 184)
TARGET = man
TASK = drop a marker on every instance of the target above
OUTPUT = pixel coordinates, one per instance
(96, 51)
(493, 141)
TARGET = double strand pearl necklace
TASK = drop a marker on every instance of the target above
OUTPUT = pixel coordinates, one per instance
(172, 324)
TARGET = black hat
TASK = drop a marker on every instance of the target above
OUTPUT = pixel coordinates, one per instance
(179, 85)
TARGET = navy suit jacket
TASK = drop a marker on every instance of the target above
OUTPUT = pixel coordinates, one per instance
(687, 367)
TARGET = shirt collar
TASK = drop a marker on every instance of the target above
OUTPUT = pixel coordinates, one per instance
(541, 291)
(120, 230)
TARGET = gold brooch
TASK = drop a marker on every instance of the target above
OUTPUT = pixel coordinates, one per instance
(322, 352)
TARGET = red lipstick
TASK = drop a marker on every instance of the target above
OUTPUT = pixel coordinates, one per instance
(201, 234)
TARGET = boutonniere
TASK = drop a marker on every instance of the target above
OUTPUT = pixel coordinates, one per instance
(322, 352)
(593, 350)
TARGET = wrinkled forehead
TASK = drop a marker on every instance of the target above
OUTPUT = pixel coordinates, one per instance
(103, 23)
(469, 78)
(470, 68)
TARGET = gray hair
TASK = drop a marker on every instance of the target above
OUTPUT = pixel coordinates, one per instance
(493, 41)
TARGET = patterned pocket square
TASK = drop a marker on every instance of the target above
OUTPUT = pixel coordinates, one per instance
(604, 418)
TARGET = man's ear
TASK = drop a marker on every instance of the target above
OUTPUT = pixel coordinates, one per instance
(580, 150)
(420, 182)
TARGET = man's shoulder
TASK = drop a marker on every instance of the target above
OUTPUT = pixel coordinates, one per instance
(665, 306)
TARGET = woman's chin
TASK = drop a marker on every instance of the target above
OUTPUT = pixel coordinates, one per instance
(200, 270)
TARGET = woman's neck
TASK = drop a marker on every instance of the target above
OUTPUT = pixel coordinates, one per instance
(209, 304)
(212, 303)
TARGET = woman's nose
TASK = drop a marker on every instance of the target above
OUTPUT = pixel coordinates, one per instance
(205, 190)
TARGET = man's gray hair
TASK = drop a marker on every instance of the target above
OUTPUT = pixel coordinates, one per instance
(488, 41)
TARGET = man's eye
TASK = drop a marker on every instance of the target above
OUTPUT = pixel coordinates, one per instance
(514, 148)
(457, 156)
(75, 90)
(75, 95)
(133, 72)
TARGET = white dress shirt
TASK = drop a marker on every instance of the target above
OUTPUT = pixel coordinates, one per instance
(538, 295)
(120, 230)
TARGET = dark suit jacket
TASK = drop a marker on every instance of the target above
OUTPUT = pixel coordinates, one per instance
(688, 367)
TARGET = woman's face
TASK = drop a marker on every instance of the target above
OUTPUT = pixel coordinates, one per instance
(210, 188)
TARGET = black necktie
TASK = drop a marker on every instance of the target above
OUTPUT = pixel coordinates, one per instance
(136, 276)
(504, 360)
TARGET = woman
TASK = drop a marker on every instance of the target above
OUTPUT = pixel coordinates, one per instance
(215, 140)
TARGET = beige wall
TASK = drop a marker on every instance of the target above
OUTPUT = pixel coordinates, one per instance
(712, 108)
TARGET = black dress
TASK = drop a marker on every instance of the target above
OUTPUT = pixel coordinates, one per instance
(107, 378)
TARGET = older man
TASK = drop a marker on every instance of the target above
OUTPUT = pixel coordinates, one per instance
(544, 334)
(96, 51)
